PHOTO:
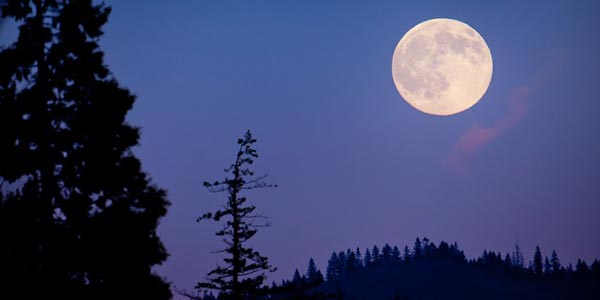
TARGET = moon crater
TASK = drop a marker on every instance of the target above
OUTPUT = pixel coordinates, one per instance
(442, 67)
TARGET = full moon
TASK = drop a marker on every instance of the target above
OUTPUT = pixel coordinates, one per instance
(442, 67)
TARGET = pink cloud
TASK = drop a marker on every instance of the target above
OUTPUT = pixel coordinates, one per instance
(518, 101)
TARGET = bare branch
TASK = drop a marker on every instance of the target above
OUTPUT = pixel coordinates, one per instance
(259, 216)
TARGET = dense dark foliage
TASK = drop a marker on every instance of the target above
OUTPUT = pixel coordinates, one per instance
(78, 216)
(242, 275)
(429, 271)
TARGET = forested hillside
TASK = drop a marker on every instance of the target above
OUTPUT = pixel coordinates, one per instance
(427, 271)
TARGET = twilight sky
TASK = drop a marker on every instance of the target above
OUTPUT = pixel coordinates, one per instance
(355, 164)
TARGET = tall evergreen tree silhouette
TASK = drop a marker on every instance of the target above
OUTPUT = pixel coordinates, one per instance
(547, 266)
(406, 254)
(507, 260)
(425, 246)
(396, 255)
(351, 261)
(240, 277)
(517, 256)
(332, 267)
(581, 268)
(375, 256)
(386, 254)
(555, 262)
(359, 259)
(297, 279)
(368, 260)
(313, 275)
(342, 266)
(538, 264)
(595, 268)
(78, 216)
(417, 249)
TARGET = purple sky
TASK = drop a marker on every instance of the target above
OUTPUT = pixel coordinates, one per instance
(355, 164)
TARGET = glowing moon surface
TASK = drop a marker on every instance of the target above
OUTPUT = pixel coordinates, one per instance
(442, 67)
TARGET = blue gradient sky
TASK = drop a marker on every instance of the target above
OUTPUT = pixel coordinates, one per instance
(355, 164)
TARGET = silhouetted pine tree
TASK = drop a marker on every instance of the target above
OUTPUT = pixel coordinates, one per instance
(396, 255)
(444, 250)
(547, 266)
(517, 256)
(406, 254)
(359, 259)
(313, 275)
(425, 246)
(507, 260)
(386, 254)
(78, 216)
(237, 280)
(368, 259)
(342, 263)
(458, 254)
(555, 262)
(352, 262)
(417, 249)
(297, 279)
(375, 255)
(595, 268)
(538, 265)
(581, 268)
(332, 267)
(429, 249)
(569, 268)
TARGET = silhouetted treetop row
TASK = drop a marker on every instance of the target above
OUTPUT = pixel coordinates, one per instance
(346, 262)
(418, 272)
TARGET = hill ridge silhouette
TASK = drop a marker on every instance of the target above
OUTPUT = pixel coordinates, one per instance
(429, 271)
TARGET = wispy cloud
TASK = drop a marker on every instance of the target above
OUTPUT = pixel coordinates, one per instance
(519, 102)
